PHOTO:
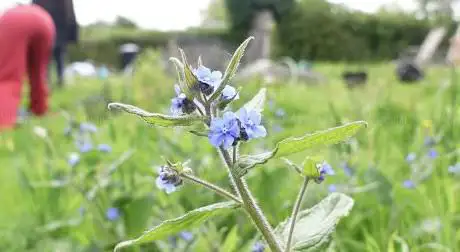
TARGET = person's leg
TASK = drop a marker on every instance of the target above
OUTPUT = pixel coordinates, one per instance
(59, 52)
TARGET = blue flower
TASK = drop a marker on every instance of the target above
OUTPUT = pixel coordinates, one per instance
(280, 112)
(187, 236)
(103, 72)
(81, 210)
(112, 214)
(84, 146)
(324, 169)
(411, 157)
(104, 148)
(180, 104)
(347, 169)
(258, 247)
(277, 128)
(207, 79)
(332, 188)
(454, 169)
(409, 184)
(168, 180)
(229, 93)
(224, 131)
(73, 160)
(88, 127)
(429, 141)
(250, 123)
(432, 153)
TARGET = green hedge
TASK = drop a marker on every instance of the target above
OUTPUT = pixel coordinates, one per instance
(102, 47)
(317, 30)
(312, 30)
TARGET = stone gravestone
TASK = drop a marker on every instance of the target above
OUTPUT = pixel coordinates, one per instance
(411, 70)
(257, 57)
(429, 46)
(453, 55)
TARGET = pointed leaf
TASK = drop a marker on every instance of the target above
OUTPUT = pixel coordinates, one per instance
(315, 225)
(257, 102)
(231, 241)
(189, 220)
(158, 119)
(190, 79)
(181, 77)
(294, 145)
(231, 68)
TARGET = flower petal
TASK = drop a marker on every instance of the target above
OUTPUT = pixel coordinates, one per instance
(228, 141)
(216, 139)
(259, 131)
(255, 117)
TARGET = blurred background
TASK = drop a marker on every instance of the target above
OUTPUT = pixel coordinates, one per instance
(82, 178)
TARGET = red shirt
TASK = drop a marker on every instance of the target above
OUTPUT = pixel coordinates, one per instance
(26, 38)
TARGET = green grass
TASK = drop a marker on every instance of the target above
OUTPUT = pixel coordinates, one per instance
(384, 217)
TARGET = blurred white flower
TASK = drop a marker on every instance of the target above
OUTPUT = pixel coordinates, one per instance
(40, 131)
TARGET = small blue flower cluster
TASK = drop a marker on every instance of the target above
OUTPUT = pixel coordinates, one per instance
(112, 214)
(231, 128)
(83, 140)
(324, 169)
(208, 82)
(258, 247)
(168, 179)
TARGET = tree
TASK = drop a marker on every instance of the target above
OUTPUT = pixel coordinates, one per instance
(439, 11)
(242, 12)
(125, 23)
(215, 13)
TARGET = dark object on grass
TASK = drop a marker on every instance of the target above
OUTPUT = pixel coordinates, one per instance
(128, 53)
(409, 72)
(354, 79)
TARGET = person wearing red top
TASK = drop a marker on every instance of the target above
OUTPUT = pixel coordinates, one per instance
(27, 33)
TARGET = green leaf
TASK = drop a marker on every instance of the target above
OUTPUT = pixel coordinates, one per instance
(257, 102)
(190, 79)
(231, 241)
(310, 167)
(158, 119)
(294, 145)
(189, 220)
(231, 68)
(315, 225)
(181, 77)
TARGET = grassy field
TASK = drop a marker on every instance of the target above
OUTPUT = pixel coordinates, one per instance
(49, 205)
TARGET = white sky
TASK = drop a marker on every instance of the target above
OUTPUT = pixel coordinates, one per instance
(173, 14)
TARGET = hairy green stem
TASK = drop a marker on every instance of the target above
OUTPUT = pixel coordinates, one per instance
(213, 187)
(295, 212)
(250, 205)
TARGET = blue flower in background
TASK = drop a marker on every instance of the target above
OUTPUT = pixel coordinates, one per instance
(180, 104)
(229, 92)
(277, 128)
(454, 169)
(280, 112)
(432, 153)
(347, 169)
(112, 214)
(332, 188)
(324, 169)
(74, 159)
(429, 141)
(88, 127)
(250, 122)
(104, 148)
(207, 79)
(258, 247)
(224, 131)
(411, 157)
(103, 72)
(84, 146)
(168, 180)
(187, 236)
(409, 184)
(81, 210)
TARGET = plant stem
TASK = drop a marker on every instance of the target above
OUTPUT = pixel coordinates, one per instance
(213, 187)
(250, 205)
(295, 212)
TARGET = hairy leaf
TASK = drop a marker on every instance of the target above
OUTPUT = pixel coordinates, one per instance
(181, 77)
(158, 119)
(294, 145)
(315, 225)
(257, 102)
(231, 68)
(190, 79)
(187, 221)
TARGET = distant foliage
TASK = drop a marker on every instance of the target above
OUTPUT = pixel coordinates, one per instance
(318, 30)
(241, 13)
